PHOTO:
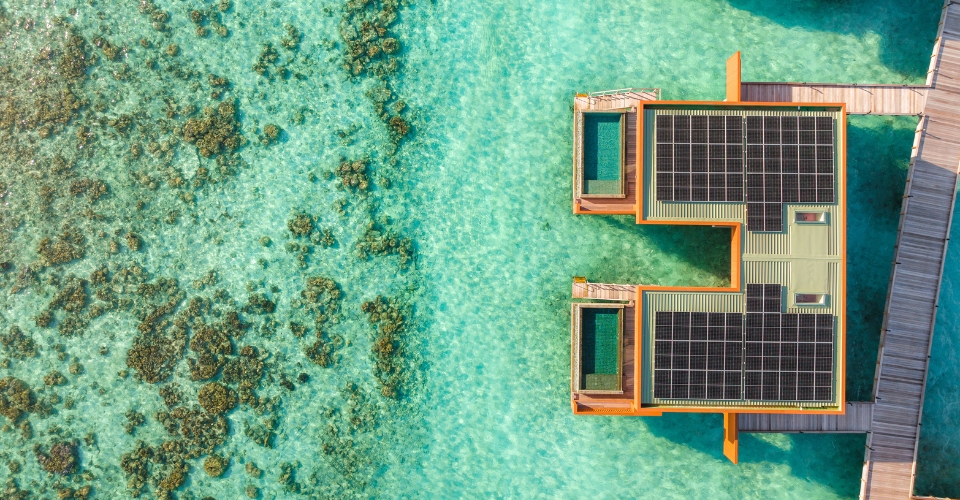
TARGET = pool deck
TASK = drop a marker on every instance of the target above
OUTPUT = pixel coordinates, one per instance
(614, 402)
(603, 291)
(612, 206)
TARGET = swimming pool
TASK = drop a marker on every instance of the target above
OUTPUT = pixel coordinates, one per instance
(602, 155)
(599, 338)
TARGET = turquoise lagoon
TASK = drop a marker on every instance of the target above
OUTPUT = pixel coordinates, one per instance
(481, 185)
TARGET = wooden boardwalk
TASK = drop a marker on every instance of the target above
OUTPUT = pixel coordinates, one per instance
(860, 99)
(856, 420)
(890, 459)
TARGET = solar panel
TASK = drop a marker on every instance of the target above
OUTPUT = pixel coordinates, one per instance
(764, 297)
(698, 355)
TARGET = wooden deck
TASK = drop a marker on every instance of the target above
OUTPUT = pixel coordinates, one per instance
(860, 99)
(604, 291)
(617, 403)
(601, 101)
(890, 459)
(628, 204)
(856, 420)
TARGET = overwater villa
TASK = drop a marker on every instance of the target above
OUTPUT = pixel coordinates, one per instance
(772, 342)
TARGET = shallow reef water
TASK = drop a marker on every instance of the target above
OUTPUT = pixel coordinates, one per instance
(324, 249)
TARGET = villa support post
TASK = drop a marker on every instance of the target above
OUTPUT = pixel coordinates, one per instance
(733, 78)
(731, 437)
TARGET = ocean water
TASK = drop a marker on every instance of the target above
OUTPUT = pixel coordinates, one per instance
(472, 401)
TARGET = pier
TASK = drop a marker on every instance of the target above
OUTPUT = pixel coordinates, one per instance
(860, 99)
(856, 419)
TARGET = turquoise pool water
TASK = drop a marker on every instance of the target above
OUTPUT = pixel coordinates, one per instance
(602, 144)
(601, 341)
(480, 188)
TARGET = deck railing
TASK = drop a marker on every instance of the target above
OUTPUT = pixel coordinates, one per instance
(639, 93)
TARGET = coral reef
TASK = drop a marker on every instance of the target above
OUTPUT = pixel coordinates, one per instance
(68, 247)
(16, 398)
(364, 28)
(215, 465)
(154, 357)
(258, 303)
(171, 395)
(292, 39)
(62, 458)
(271, 133)
(341, 440)
(54, 378)
(353, 175)
(17, 345)
(134, 419)
(159, 344)
(287, 478)
(370, 51)
(216, 398)
(11, 491)
(387, 345)
(212, 343)
(268, 56)
(95, 170)
(319, 353)
(218, 131)
(379, 241)
(322, 297)
(300, 225)
(133, 241)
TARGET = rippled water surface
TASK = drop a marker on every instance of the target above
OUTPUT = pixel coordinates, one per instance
(324, 249)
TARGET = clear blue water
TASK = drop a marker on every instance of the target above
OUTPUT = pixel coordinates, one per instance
(480, 185)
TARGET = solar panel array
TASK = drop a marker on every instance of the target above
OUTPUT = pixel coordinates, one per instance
(787, 357)
(699, 158)
(764, 160)
(763, 355)
(698, 355)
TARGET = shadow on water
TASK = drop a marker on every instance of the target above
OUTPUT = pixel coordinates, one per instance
(878, 158)
(832, 461)
(701, 249)
(897, 22)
